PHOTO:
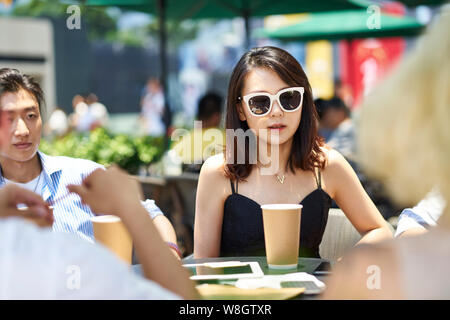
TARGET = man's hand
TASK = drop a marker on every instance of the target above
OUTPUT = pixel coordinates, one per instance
(36, 208)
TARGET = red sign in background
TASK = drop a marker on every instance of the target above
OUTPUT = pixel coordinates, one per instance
(364, 62)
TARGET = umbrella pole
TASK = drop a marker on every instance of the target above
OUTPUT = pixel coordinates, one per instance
(163, 56)
(246, 17)
(162, 44)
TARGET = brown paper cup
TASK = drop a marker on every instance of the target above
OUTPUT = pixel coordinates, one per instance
(110, 231)
(282, 234)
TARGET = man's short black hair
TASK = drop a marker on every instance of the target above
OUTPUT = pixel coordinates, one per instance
(11, 80)
(209, 104)
(321, 106)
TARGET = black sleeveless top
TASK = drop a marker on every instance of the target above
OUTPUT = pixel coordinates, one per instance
(243, 231)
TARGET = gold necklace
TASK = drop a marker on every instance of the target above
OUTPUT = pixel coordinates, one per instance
(280, 178)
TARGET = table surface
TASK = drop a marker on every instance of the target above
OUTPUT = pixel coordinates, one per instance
(304, 264)
(307, 265)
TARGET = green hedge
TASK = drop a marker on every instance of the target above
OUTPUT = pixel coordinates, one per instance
(128, 152)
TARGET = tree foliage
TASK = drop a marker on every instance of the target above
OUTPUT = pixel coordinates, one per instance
(99, 22)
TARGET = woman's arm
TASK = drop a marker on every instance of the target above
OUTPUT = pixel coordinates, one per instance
(166, 231)
(121, 198)
(211, 194)
(158, 262)
(344, 187)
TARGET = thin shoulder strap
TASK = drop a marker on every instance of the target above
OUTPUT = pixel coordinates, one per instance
(318, 179)
(232, 187)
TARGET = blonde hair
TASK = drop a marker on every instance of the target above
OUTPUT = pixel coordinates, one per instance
(404, 129)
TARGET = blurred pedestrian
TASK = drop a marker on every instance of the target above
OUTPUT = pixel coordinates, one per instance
(57, 124)
(98, 113)
(337, 117)
(344, 92)
(205, 140)
(80, 108)
(152, 108)
(323, 130)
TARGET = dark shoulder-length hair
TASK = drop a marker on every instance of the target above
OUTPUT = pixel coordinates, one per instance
(306, 152)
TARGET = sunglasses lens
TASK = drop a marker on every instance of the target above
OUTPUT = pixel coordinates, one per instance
(290, 100)
(259, 104)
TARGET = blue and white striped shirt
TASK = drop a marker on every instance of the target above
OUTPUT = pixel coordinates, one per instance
(70, 214)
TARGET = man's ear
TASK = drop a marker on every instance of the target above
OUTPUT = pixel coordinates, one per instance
(241, 113)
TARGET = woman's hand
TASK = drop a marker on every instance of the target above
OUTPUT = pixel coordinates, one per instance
(110, 191)
(36, 208)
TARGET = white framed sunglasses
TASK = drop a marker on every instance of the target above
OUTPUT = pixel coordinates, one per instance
(260, 103)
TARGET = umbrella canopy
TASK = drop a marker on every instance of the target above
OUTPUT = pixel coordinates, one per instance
(415, 3)
(220, 9)
(199, 9)
(345, 25)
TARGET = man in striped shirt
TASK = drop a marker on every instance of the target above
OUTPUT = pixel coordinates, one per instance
(21, 162)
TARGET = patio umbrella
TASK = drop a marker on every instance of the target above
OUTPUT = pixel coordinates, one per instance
(221, 9)
(200, 9)
(345, 25)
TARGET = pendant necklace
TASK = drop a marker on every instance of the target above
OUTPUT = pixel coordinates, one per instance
(280, 177)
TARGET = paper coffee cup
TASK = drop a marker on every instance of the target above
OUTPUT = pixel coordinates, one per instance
(110, 231)
(282, 234)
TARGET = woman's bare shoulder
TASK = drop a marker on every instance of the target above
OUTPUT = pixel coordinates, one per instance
(213, 168)
(336, 170)
(333, 158)
(214, 163)
(213, 184)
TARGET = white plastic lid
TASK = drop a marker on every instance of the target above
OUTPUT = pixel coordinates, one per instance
(281, 206)
(105, 219)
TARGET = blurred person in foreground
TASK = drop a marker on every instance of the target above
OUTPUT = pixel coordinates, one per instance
(405, 142)
(36, 263)
(21, 163)
(207, 138)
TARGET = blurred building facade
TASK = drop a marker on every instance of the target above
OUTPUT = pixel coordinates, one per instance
(27, 44)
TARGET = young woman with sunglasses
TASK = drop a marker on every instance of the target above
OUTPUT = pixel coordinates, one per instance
(269, 96)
